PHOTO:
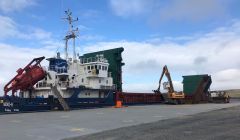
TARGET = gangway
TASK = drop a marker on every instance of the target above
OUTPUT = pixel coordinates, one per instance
(60, 98)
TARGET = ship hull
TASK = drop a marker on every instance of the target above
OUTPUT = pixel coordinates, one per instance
(10, 104)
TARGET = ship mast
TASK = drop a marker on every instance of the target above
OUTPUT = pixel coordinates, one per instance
(71, 34)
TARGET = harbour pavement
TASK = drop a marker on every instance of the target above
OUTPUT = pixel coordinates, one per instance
(59, 125)
(220, 124)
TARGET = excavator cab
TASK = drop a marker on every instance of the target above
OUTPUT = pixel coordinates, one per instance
(176, 95)
(172, 96)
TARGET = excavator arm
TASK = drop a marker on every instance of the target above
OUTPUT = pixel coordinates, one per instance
(173, 97)
(167, 74)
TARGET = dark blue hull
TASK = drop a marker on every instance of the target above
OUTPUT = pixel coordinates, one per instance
(10, 104)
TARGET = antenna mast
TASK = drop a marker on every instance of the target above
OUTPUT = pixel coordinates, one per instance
(71, 34)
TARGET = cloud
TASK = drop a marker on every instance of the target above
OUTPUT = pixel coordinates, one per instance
(227, 75)
(83, 28)
(174, 10)
(90, 37)
(126, 8)
(215, 53)
(227, 79)
(40, 34)
(7, 6)
(9, 28)
(90, 14)
(193, 10)
(144, 87)
(14, 57)
(200, 60)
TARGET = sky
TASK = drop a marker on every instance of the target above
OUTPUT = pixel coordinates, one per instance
(189, 36)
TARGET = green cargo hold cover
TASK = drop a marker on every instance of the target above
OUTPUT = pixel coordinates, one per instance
(114, 57)
(192, 82)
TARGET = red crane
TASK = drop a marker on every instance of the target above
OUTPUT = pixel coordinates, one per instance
(27, 77)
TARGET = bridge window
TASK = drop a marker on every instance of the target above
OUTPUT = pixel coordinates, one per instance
(104, 68)
(99, 80)
(82, 80)
(88, 67)
(92, 67)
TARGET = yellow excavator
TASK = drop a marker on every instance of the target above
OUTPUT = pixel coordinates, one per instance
(172, 96)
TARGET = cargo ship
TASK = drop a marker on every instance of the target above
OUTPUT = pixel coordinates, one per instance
(90, 80)
(87, 81)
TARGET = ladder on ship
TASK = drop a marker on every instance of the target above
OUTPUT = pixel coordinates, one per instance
(60, 98)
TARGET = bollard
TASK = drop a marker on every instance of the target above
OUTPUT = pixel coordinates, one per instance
(118, 104)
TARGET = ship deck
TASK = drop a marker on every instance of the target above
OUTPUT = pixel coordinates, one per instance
(59, 125)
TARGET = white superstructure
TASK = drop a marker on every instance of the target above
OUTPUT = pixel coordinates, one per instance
(90, 74)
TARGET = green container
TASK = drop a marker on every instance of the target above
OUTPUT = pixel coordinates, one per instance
(114, 57)
(192, 82)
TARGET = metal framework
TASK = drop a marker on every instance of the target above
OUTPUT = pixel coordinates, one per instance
(167, 74)
(14, 87)
(71, 34)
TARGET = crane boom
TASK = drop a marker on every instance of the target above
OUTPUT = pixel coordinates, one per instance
(167, 74)
(172, 96)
